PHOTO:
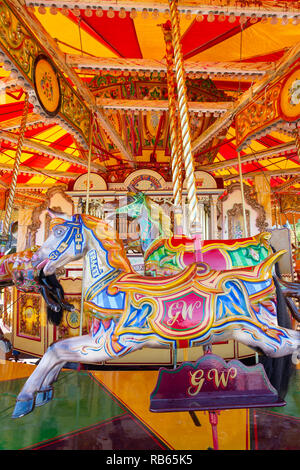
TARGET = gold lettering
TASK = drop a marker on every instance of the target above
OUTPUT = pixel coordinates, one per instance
(183, 309)
(197, 381)
(223, 378)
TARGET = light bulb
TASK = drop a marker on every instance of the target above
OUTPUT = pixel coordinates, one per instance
(110, 13)
(122, 13)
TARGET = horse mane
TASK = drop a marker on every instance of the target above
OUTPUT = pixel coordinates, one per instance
(158, 216)
(110, 241)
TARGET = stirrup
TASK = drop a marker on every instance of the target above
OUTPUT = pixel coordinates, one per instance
(44, 396)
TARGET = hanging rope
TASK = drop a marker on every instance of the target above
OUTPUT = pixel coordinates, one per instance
(175, 132)
(183, 114)
(16, 167)
(245, 232)
(297, 140)
(89, 164)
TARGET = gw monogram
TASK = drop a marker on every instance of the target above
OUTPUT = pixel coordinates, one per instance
(181, 308)
(217, 378)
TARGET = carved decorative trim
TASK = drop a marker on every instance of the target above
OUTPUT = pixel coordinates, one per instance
(35, 219)
(233, 213)
(22, 47)
(250, 198)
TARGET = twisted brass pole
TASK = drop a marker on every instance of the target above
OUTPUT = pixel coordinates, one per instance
(175, 136)
(184, 117)
(16, 167)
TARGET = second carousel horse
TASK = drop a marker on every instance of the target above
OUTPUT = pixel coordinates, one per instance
(17, 269)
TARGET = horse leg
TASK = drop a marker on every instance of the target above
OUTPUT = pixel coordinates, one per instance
(46, 391)
(85, 349)
(274, 342)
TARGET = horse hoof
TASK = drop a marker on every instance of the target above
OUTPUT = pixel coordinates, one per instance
(22, 408)
(43, 397)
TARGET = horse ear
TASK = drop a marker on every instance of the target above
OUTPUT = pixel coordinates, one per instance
(58, 215)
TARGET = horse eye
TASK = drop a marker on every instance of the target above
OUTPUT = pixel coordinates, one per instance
(58, 232)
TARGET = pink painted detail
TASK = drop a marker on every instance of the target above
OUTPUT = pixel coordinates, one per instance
(184, 316)
(198, 247)
(2, 270)
(213, 419)
(215, 259)
(95, 325)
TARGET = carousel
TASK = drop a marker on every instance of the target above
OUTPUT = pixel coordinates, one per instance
(149, 231)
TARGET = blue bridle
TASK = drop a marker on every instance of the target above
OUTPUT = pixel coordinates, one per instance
(74, 234)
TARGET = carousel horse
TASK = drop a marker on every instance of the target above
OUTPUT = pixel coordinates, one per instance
(165, 254)
(17, 269)
(198, 306)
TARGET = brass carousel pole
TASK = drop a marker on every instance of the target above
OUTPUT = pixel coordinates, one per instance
(16, 167)
(194, 219)
(243, 197)
(175, 133)
(87, 202)
(184, 119)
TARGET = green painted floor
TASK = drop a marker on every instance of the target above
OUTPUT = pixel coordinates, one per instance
(69, 411)
(84, 415)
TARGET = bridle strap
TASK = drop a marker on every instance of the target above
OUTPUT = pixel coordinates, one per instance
(74, 234)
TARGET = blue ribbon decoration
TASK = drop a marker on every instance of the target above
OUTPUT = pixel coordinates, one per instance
(74, 234)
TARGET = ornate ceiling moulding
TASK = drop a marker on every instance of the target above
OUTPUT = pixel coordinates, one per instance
(277, 105)
(291, 58)
(20, 51)
(290, 203)
(283, 149)
(209, 108)
(285, 186)
(44, 149)
(213, 70)
(23, 40)
(215, 10)
(38, 187)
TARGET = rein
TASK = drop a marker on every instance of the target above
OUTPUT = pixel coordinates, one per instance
(74, 234)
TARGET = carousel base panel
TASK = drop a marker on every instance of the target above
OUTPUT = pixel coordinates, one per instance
(109, 410)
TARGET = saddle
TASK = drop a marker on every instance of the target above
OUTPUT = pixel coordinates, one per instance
(128, 282)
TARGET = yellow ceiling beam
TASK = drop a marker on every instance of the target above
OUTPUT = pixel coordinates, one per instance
(31, 144)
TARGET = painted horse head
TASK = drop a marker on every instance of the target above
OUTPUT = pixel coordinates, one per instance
(153, 221)
(71, 237)
(136, 201)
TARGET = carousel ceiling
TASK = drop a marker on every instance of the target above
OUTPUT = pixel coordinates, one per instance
(112, 57)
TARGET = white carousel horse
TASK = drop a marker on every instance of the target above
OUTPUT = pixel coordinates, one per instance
(196, 307)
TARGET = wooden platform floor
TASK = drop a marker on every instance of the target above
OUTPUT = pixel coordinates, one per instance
(109, 410)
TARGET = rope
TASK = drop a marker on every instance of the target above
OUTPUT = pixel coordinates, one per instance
(13, 185)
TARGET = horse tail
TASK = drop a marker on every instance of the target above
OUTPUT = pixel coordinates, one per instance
(280, 370)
